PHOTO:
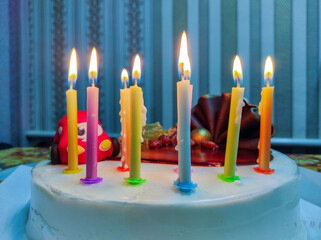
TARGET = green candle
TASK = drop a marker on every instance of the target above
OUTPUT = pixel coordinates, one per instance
(136, 131)
(233, 131)
(136, 105)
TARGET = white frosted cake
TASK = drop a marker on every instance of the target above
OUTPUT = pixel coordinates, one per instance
(257, 207)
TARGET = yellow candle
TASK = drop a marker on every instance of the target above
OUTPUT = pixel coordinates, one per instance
(233, 126)
(71, 95)
(136, 106)
(125, 122)
(265, 110)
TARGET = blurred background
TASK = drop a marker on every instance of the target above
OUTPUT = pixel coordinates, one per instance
(36, 38)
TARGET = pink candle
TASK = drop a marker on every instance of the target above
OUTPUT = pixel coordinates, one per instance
(92, 124)
(92, 131)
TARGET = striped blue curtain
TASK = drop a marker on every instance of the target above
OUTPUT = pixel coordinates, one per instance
(217, 30)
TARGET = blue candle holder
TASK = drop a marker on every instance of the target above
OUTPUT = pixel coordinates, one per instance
(185, 187)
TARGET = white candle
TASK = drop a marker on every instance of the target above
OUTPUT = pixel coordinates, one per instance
(184, 100)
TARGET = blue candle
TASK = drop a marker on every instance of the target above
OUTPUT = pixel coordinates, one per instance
(184, 101)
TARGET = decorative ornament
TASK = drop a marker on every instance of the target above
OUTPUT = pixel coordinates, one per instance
(107, 146)
(199, 135)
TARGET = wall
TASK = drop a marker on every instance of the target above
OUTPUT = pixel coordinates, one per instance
(11, 120)
(217, 30)
(4, 76)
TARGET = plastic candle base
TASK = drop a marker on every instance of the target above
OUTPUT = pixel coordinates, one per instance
(134, 181)
(262, 171)
(183, 187)
(122, 169)
(72, 171)
(228, 179)
(91, 181)
(175, 170)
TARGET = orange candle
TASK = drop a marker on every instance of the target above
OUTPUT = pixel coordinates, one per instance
(265, 110)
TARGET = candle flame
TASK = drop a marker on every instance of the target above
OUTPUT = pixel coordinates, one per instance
(72, 75)
(93, 73)
(124, 76)
(237, 70)
(136, 69)
(268, 69)
(184, 64)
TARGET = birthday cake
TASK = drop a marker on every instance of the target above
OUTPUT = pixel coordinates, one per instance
(158, 200)
(257, 207)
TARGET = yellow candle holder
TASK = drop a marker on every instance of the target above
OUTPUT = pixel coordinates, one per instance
(72, 171)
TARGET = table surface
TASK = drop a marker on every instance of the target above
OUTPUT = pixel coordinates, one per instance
(11, 158)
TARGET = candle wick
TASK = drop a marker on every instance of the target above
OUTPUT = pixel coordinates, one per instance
(71, 84)
(181, 69)
(135, 81)
(267, 81)
(93, 82)
(238, 82)
(125, 84)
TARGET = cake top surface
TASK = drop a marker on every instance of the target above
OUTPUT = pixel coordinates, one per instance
(159, 189)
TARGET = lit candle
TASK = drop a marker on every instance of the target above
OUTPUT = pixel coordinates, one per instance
(136, 121)
(234, 123)
(92, 123)
(184, 100)
(125, 122)
(265, 110)
(71, 95)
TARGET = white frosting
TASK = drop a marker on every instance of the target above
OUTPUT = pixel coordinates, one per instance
(239, 108)
(123, 134)
(257, 207)
(260, 104)
(124, 95)
(144, 118)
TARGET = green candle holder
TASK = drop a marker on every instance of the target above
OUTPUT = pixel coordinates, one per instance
(135, 181)
(228, 179)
